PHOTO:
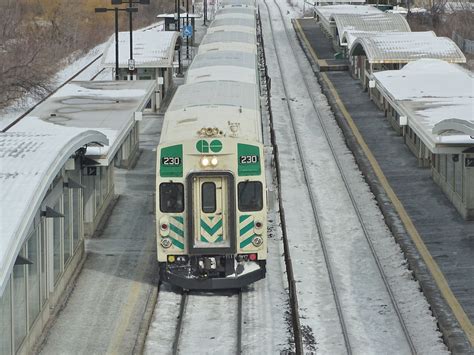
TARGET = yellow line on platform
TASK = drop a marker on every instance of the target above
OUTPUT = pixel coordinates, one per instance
(127, 311)
(320, 62)
(438, 276)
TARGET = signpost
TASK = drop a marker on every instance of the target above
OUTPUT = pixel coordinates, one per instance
(188, 31)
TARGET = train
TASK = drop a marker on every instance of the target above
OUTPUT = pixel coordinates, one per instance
(211, 205)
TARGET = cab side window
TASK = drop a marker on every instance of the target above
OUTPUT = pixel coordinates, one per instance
(171, 197)
(250, 194)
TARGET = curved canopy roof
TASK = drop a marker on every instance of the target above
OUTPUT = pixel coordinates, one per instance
(374, 22)
(32, 153)
(151, 49)
(326, 12)
(403, 47)
(440, 114)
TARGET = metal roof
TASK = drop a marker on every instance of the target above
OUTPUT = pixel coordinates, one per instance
(237, 3)
(229, 40)
(236, 10)
(216, 93)
(403, 47)
(32, 153)
(229, 36)
(151, 49)
(212, 104)
(221, 16)
(376, 22)
(106, 106)
(244, 22)
(224, 58)
(325, 12)
(438, 99)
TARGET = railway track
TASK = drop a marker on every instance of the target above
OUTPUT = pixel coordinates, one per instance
(83, 69)
(348, 341)
(195, 326)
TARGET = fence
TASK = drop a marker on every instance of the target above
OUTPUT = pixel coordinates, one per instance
(466, 45)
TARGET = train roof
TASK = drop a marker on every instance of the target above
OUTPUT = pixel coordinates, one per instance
(223, 65)
(212, 104)
(236, 10)
(216, 93)
(229, 40)
(224, 58)
(224, 16)
(238, 3)
(233, 24)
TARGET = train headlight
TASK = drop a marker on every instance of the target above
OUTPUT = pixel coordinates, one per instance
(257, 241)
(214, 161)
(205, 162)
(164, 227)
(166, 242)
(258, 229)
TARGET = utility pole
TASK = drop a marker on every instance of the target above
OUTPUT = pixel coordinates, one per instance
(205, 12)
(116, 11)
(187, 25)
(179, 32)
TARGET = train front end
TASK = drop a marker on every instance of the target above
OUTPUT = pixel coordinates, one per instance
(211, 212)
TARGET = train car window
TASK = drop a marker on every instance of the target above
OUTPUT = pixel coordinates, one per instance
(208, 193)
(250, 196)
(171, 197)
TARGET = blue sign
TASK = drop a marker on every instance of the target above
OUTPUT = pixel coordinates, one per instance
(187, 31)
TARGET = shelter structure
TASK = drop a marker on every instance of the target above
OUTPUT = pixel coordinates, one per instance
(325, 15)
(171, 21)
(431, 103)
(365, 23)
(153, 55)
(56, 180)
(370, 53)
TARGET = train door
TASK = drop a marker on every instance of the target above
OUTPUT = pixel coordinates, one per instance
(212, 206)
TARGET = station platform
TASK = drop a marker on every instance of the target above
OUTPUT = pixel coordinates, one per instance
(437, 241)
(321, 46)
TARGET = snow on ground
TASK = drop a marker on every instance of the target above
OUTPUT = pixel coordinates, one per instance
(370, 319)
(11, 113)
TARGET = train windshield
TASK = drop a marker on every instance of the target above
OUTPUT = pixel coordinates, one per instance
(250, 196)
(171, 197)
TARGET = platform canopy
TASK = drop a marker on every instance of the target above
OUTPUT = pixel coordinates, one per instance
(436, 97)
(377, 22)
(151, 49)
(404, 47)
(32, 153)
(106, 106)
(326, 12)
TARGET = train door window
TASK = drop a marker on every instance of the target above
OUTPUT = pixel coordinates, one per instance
(208, 196)
(250, 196)
(171, 197)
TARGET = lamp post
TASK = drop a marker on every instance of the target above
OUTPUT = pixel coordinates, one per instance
(116, 11)
(131, 62)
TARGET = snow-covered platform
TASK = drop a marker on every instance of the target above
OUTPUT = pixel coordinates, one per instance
(427, 225)
(56, 182)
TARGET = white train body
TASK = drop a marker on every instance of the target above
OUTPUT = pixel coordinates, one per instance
(211, 191)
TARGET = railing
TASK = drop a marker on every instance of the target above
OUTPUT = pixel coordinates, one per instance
(466, 45)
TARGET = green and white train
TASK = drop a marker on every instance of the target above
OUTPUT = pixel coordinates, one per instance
(211, 193)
